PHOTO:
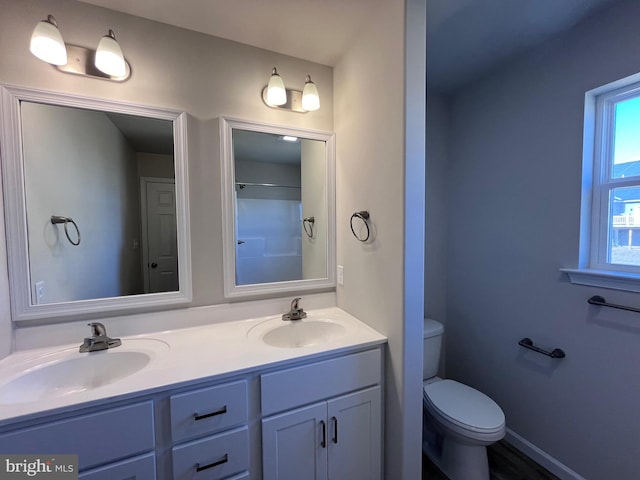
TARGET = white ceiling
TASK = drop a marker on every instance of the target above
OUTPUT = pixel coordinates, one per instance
(465, 38)
(315, 30)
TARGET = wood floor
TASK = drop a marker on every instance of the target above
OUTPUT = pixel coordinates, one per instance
(505, 463)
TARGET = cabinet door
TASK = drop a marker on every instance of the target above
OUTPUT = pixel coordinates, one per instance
(294, 444)
(355, 436)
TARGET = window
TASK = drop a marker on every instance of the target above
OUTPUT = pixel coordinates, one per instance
(615, 229)
(610, 217)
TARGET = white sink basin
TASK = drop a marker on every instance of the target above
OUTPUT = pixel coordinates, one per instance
(67, 371)
(298, 333)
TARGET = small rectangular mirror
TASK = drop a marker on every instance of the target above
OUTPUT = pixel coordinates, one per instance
(279, 208)
(96, 206)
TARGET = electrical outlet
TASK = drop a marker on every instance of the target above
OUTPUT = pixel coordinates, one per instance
(340, 275)
(40, 292)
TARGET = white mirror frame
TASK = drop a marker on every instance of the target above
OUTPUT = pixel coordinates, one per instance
(231, 290)
(22, 307)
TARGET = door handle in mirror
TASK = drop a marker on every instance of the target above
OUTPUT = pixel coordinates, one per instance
(154, 265)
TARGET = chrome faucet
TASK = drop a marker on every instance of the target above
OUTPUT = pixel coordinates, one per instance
(99, 339)
(296, 312)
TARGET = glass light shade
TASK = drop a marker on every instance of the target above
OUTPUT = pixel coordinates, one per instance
(47, 43)
(310, 97)
(276, 93)
(109, 58)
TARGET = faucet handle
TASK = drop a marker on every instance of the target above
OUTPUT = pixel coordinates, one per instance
(97, 329)
(295, 304)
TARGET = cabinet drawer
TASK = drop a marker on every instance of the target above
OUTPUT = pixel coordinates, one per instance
(138, 468)
(212, 457)
(242, 476)
(317, 381)
(208, 410)
(96, 438)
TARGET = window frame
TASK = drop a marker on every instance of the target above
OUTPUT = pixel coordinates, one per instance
(603, 183)
(597, 168)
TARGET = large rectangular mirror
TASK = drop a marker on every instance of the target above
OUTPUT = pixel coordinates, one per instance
(279, 208)
(96, 205)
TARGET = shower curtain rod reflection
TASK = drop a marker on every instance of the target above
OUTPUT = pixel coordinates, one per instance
(249, 184)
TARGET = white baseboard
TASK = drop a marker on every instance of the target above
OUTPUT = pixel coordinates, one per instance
(541, 457)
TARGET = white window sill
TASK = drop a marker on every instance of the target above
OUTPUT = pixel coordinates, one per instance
(629, 282)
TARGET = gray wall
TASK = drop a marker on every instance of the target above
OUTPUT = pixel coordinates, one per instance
(313, 169)
(436, 212)
(155, 165)
(514, 205)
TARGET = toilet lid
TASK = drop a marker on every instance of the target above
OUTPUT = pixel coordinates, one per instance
(464, 406)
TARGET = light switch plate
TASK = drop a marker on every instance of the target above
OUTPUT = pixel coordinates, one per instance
(40, 292)
(340, 275)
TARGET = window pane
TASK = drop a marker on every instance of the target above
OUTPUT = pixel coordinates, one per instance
(624, 226)
(626, 139)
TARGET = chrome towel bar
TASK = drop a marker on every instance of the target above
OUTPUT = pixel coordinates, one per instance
(600, 301)
(528, 343)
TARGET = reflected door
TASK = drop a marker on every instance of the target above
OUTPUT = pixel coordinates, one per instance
(161, 265)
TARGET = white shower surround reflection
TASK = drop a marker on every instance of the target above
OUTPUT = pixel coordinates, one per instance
(271, 244)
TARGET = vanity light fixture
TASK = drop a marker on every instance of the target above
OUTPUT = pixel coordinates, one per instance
(289, 138)
(310, 98)
(106, 62)
(275, 95)
(47, 43)
(109, 58)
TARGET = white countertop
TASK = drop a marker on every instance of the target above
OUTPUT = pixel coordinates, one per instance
(187, 356)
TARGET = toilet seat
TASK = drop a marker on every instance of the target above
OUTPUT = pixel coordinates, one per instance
(464, 407)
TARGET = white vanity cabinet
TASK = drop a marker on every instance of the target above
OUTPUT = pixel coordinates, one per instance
(307, 419)
(336, 438)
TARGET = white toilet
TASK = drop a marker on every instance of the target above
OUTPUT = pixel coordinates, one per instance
(459, 421)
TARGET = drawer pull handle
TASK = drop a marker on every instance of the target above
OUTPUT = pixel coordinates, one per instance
(224, 459)
(212, 414)
(335, 429)
(323, 443)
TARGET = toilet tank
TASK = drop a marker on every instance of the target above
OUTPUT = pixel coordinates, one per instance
(433, 332)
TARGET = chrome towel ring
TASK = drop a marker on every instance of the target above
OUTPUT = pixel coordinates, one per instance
(307, 224)
(364, 216)
(66, 221)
